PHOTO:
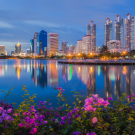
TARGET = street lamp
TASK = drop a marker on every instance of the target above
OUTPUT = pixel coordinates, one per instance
(90, 53)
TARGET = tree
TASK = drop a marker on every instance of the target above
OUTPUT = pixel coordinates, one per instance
(104, 49)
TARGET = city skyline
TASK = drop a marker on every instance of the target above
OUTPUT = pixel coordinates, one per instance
(69, 21)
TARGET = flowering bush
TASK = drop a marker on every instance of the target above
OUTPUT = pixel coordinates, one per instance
(90, 116)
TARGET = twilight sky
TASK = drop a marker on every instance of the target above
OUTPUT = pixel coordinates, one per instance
(19, 19)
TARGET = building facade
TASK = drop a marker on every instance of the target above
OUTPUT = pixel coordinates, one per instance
(18, 48)
(32, 45)
(132, 32)
(2, 50)
(119, 29)
(52, 44)
(114, 46)
(91, 30)
(108, 31)
(86, 45)
(128, 31)
(64, 47)
(42, 43)
(35, 41)
(78, 47)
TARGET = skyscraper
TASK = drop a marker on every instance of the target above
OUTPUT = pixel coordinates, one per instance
(52, 44)
(108, 31)
(18, 48)
(42, 43)
(132, 32)
(93, 35)
(119, 29)
(35, 41)
(128, 31)
(88, 29)
(91, 30)
(32, 45)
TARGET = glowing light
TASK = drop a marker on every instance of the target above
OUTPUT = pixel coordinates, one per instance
(124, 70)
(79, 54)
(90, 53)
(79, 69)
(69, 54)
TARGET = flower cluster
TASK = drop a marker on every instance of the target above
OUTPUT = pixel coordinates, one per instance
(93, 102)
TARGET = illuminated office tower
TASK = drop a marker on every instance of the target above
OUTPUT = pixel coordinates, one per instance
(128, 31)
(88, 29)
(91, 30)
(2, 50)
(108, 31)
(64, 47)
(52, 44)
(35, 41)
(32, 45)
(18, 48)
(132, 32)
(42, 43)
(86, 44)
(119, 29)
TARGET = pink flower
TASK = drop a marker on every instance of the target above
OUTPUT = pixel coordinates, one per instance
(29, 114)
(88, 101)
(45, 122)
(90, 108)
(92, 133)
(129, 97)
(60, 88)
(94, 120)
(63, 90)
(105, 103)
(133, 95)
(100, 101)
(21, 124)
(1, 108)
(32, 107)
(9, 110)
(60, 92)
(50, 103)
(95, 96)
(25, 113)
(33, 131)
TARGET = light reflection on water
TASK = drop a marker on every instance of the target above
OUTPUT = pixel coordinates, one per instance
(39, 76)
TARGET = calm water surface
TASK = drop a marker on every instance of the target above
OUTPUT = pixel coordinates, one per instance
(40, 76)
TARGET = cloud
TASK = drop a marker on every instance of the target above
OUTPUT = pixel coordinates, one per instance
(5, 25)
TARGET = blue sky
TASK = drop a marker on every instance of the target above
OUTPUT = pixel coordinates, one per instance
(19, 19)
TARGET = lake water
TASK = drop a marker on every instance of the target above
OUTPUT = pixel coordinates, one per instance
(40, 76)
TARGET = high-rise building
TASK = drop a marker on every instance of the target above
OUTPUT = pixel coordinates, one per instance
(108, 31)
(119, 29)
(32, 45)
(86, 44)
(18, 48)
(91, 30)
(93, 35)
(42, 43)
(128, 31)
(2, 50)
(52, 44)
(88, 29)
(132, 32)
(64, 47)
(35, 41)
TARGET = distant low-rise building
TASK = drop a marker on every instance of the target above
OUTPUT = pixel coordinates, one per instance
(98, 49)
(114, 44)
(12, 53)
(28, 51)
(60, 53)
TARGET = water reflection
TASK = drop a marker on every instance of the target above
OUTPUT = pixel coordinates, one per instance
(107, 81)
